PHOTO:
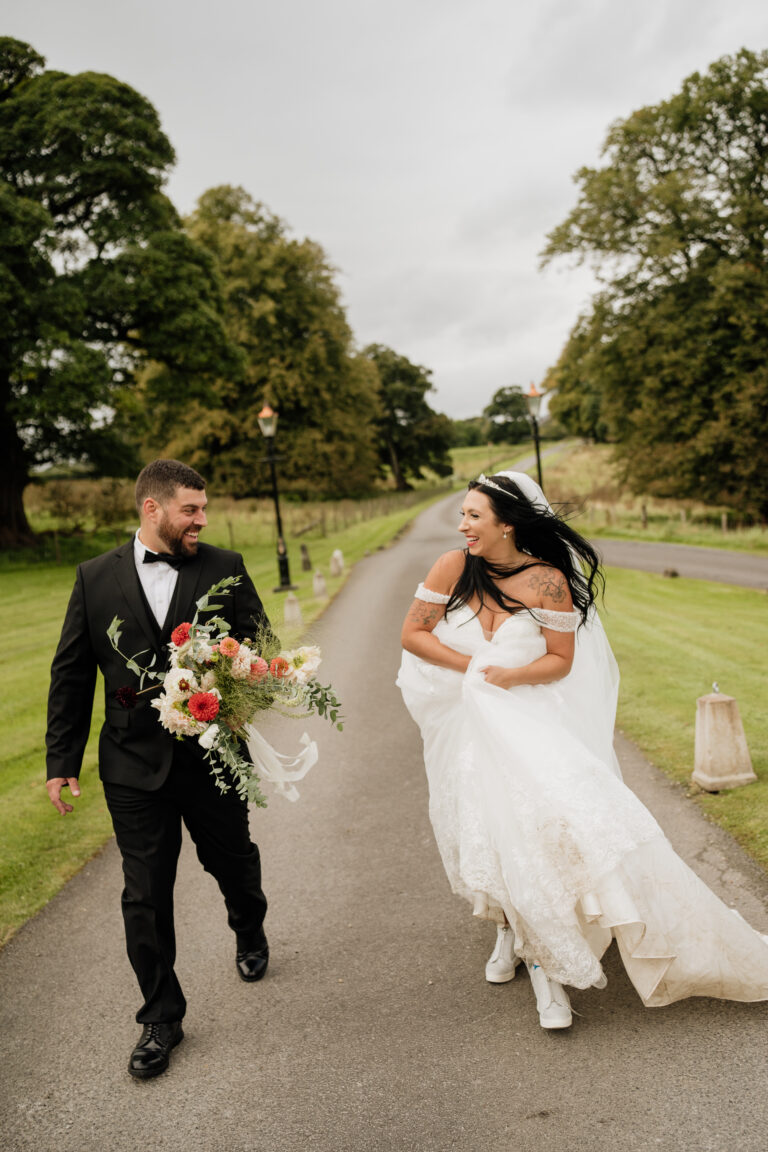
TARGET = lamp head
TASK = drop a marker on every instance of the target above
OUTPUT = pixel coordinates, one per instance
(267, 422)
(533, 398)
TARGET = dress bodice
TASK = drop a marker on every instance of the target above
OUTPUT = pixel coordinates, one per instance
(526, 623)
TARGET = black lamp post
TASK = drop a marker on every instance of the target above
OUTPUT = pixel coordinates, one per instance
(533, 399)
(268, 425)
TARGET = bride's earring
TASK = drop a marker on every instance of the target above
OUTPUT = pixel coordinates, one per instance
(505, 534)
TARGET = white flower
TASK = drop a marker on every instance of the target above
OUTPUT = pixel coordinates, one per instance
(207, 681)
(180, 683)
(210, 737)
(173, 718)
(304, 662)
(241, 663)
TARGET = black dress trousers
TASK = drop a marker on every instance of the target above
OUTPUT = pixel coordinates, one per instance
(148, 831)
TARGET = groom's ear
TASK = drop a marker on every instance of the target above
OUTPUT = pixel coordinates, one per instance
(150, 508)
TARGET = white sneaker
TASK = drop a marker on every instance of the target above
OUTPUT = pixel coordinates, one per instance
(551, 999)
(500, 969)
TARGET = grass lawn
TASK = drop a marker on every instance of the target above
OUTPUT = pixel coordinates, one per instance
(672, 639)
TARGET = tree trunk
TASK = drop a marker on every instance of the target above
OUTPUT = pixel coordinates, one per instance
(15, 531)
(401, 484)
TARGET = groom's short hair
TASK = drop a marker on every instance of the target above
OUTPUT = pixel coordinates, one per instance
(161, 478)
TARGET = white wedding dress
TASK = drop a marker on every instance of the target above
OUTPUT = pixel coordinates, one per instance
(533, 821)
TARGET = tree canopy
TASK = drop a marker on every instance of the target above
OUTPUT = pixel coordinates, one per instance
(96, 273)
(282, 311)
(508, 415)
(672, 359)
(411, 435)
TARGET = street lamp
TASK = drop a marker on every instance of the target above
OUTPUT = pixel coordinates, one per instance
(533, 400)
(268, 425)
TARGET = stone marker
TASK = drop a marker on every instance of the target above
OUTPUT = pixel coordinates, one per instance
(319, 587)
(337, 562)
(721, 758)
(292, 610)
(306, 563)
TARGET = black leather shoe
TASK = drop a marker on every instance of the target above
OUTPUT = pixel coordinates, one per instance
(152, 1054)
(252, 965)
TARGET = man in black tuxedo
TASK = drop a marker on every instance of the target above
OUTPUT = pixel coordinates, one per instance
(152, 781)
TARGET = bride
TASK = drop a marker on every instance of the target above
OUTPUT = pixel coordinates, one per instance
(509, 675)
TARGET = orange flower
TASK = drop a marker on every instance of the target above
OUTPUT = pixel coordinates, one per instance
(229, 646)
(259, 669)
(279, 667)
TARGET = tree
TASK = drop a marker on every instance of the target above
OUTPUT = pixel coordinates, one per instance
(672, 360)
(282, 311)
(469, 433)
(411, 435)
(508, 413)
(96, 273)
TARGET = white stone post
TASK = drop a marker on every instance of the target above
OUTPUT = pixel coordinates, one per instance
(337, 562)
(292, 610)
(319, 587)
(721, 758)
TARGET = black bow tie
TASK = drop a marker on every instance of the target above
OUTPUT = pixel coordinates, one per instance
(165, 557)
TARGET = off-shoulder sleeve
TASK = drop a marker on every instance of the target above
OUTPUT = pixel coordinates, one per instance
(557, 621)
(431, 597)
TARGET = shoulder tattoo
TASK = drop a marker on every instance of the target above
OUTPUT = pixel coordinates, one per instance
(551, 584)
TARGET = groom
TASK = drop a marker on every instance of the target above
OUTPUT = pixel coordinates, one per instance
(153, 782)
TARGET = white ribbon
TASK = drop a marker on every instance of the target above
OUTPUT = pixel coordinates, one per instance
(278, 769)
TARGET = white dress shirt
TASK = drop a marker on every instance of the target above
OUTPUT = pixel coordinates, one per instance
(158, 580)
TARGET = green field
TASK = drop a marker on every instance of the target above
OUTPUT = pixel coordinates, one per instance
(672, 639)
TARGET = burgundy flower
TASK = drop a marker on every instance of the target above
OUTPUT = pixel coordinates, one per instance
(126, 697)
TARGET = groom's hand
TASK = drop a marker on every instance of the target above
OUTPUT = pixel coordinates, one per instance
(55, 786)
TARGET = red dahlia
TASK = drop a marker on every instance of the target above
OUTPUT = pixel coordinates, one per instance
(204, 706)
(180, 635)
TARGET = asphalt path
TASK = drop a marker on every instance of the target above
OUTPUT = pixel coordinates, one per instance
(718, 564)
(374, 1028)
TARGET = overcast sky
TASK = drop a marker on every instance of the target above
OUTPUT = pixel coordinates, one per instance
(427, 145)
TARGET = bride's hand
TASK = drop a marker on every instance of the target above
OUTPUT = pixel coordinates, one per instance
(500, 677)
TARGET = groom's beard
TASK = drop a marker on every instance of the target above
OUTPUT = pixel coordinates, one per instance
(175, 540)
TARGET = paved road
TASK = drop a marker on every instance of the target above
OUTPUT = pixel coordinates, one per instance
(717, 564)
(374, 1029)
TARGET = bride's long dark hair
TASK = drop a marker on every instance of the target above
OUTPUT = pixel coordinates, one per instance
(545, 537)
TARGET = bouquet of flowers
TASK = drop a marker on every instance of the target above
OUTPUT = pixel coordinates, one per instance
(216, 685)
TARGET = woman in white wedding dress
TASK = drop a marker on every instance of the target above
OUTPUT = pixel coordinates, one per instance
(508, 673)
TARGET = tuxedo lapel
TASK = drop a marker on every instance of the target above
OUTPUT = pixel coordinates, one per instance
(128, 581)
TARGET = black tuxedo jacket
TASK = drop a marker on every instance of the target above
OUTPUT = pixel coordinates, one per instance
(134, 748)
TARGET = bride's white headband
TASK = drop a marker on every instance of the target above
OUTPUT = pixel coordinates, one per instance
(483, 479)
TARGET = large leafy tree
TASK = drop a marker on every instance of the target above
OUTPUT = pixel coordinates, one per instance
(672, 360)
(508, 415)
(96, 273)
(282, 310)
(411, 435)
